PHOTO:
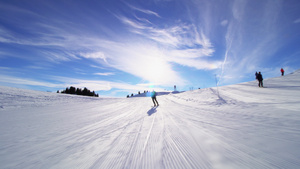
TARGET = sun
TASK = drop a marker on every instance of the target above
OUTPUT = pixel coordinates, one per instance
(157, 71)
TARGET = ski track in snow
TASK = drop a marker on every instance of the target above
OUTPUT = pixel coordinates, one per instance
(238, 126)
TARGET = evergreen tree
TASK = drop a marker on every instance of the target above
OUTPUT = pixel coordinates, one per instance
(67, 90)
(78, 91)
(72, 90)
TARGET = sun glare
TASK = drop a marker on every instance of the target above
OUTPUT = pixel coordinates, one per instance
(157, 71)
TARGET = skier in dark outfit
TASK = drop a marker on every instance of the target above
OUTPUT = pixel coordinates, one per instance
(153, 96)
(260, 80)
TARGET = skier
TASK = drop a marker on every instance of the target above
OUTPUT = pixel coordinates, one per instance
(153, 96)
(260, 80)
(282, 72)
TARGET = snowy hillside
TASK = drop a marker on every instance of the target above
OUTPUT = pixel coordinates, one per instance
(244, 127)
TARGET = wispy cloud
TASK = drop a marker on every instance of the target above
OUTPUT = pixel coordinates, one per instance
(224, 22)
(181, 43)
(297, 20)
(35, 67)
(97, 85)
(146, 11)
(26, 81)
(146, 61)
(232, 40)
(4, 68)
(249, 45)
(150, 55)
(176, 36)
(98, 67)
(96, 55)
(104, 74)
(62, 82)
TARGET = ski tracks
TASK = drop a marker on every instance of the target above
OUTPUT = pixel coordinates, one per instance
(140, 150)
(182, 149)
(219, 139)
(101, 144)
(145, 149)
(96, 142)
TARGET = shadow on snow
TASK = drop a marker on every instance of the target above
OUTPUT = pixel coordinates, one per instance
(151, 111)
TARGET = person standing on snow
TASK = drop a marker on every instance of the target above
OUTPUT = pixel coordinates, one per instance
(256, 75)
(282, 72)
(260, 80)
(153, 96)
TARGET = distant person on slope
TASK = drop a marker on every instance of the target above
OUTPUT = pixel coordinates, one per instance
(282, 72)
(153, 96)
(256, 75)
(260, 80)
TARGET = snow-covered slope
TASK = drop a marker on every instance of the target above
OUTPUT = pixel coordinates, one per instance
(238, 126)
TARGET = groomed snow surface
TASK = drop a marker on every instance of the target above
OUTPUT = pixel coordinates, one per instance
(243, 126)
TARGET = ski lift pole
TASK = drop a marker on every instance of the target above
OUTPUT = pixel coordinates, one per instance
(217, 86)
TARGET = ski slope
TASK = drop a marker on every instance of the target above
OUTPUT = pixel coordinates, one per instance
(237, 126)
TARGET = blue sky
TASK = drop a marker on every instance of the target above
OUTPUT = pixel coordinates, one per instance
(119, 47)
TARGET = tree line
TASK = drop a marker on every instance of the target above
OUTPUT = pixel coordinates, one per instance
(78, 91)
(138, 93)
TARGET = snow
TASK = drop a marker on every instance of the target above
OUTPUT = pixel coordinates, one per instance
(243, 126)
